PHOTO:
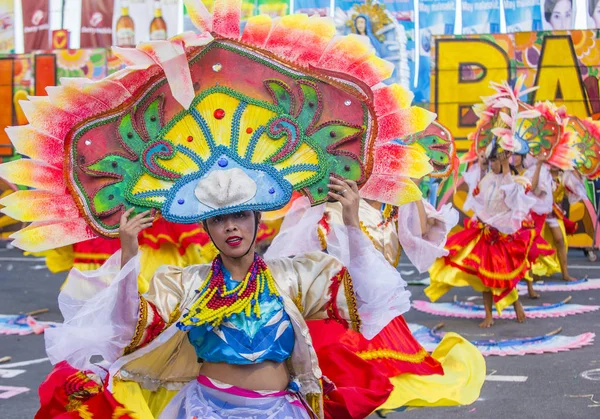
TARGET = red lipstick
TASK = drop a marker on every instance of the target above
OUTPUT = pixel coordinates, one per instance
(233, 241)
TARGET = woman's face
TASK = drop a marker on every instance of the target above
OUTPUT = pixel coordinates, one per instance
(233, 234)
(495, 165)
(596, 15)
(561, 15)
(361, 25)
(517, 160)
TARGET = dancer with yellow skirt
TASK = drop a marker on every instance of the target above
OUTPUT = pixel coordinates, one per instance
(494, 251)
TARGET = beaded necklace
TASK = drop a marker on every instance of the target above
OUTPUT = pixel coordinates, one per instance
(215, 303)
(390, 214)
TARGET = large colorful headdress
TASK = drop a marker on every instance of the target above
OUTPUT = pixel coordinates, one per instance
(548, 135)
(516, 126)
(500, 117)
(214, 122)
(437, 142)
(584, 136)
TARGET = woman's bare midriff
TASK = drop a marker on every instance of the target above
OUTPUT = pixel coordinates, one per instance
(267, 375)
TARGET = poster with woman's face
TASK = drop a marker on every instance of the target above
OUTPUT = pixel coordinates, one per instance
(558, 15)
(593, 14)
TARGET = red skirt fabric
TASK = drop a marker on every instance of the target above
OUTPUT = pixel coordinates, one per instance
(360, 369)
(540, 246)
(360, 386)
(499, 260)
(570, 226)
(67, 393)
(179, 235)
(96, 250)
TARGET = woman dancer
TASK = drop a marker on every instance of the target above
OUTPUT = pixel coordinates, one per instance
(493, 252)
(560, 184)
(194, 138)
(243, 322)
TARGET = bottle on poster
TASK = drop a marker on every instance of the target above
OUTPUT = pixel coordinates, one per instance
(158, 26)
(125, 27)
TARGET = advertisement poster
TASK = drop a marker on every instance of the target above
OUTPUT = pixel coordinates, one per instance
(480, 16)
(523, 15)
(436, 17)
(558, 15)
(312, 7)
(404, 13)
(385, 35)
(138, 21)
(592, 14)
(36, 24)
(7, 26)
(96, 23)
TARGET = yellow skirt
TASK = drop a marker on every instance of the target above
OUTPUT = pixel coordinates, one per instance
(464, 374)
(141, 403)
(549, 265)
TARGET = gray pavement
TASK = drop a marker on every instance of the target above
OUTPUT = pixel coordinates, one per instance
(554, 387)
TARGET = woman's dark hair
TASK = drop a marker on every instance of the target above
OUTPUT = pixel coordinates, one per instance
(592, 6)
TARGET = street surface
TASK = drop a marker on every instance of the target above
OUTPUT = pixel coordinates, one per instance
(562, 385)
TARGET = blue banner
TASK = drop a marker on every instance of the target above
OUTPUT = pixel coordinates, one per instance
(480, 16)
(523, 15)
(404, 13)
(311, 7)
(436, 17)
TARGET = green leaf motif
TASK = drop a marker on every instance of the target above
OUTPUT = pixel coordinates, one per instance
(310, 105)
(110, 198)
(130, 137)
(117, 165)
(152, 119)
(281, 94)
(330, 135)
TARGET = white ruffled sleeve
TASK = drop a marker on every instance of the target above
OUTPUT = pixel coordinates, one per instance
(100, 310)
(518, 202)
(471, 178)
(543, 192)
(380, 290)
(424, 248)
(575, 188)
(298, 233)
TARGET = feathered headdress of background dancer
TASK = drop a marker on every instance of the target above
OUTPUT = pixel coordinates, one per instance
(499, 118)
(522, 128)
(213, 122)
(585, 138)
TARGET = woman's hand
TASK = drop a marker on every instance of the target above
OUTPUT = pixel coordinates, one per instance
(482, 159)
(129, 230)
(346, 192)
(542, 158)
